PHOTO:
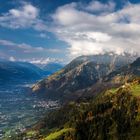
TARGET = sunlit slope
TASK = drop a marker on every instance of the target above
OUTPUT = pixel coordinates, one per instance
(112, 115)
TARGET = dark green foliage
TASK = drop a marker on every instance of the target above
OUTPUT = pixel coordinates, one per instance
(117, 112)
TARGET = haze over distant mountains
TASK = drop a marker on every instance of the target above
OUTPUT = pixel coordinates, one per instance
(18, 72)
(52, 67)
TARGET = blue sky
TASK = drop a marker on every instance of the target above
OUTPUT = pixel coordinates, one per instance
(42, 31)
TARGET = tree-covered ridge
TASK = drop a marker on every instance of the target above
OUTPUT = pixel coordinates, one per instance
(113, 115)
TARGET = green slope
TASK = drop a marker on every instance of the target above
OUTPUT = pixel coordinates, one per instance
(113, 115)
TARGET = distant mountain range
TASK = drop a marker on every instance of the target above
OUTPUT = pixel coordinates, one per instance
(51, 68)
(81, 73)
(18, 72)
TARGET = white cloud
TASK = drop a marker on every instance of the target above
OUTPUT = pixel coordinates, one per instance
(68, 15)
(44, 61)
(44, 35)
(23, 46)
(92, 33)
(24, 49)
(40, 61)
(96, 6)
(12, 59)
(27, 12)
(87, 28)
(26, 16)
(27, 53)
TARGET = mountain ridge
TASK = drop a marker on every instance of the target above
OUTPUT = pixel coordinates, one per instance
(15, 72)
(80, 73)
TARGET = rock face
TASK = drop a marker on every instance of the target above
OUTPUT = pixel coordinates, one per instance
(81, 73)
(125, 73)
(18, 72)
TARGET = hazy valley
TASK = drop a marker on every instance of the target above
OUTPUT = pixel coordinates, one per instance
(69, 70)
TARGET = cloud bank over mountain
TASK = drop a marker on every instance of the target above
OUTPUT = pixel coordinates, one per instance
(82, 28)
(88, 29)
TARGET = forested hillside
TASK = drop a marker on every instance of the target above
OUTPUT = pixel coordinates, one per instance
(112, 115)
